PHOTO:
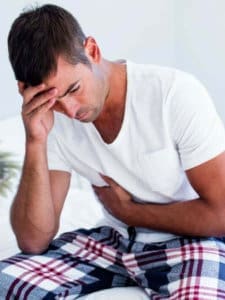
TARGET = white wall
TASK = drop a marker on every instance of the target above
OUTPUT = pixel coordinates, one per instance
(200, 44)
(188, 34)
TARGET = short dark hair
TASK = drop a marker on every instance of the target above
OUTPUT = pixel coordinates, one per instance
(36, 39)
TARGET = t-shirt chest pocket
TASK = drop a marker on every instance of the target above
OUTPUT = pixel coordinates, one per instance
(161, 170)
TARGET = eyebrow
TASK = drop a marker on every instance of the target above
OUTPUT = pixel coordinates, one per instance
(68, 89)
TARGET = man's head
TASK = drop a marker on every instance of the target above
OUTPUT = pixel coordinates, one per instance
(47, 45)
(38, 37)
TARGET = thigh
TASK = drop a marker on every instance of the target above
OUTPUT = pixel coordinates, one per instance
(75, 264)
(183, 269)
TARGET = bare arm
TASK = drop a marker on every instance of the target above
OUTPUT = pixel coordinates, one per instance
(200, 217)
(38, 203)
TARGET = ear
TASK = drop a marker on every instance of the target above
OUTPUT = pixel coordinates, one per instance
(21, 87)
(92, 50)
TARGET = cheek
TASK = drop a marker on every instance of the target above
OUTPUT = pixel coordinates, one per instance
(57, 107)
(86, 97)
(89, 95)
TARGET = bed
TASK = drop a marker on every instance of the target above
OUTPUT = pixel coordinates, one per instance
(80, 198)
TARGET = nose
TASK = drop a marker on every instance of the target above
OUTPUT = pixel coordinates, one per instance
(68, 110)
(67, 107)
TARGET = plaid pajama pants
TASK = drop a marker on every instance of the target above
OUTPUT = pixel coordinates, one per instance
(84, 261)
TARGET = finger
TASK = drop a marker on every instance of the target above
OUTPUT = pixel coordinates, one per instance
(96, 191)
(44, 108)
(110, 181)
(30, 92)
(118, 189)
(39, 101)
(99, 190)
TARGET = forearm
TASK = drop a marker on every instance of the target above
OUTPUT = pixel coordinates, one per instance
(32, 213)
(195, 218)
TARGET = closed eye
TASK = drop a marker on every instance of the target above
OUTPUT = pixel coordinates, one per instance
(74, 90)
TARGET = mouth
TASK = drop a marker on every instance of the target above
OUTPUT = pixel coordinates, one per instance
(82, 116)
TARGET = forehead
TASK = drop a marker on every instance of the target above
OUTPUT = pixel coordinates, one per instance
(65, 74)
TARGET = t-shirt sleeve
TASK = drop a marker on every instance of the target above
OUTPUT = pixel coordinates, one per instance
(196, 127)
(56, 159)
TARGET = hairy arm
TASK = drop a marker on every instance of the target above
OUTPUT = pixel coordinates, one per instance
(37, 205)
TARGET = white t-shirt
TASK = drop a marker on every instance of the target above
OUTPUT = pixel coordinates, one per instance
(170, 125)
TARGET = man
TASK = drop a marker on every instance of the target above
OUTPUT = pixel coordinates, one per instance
(152, 145)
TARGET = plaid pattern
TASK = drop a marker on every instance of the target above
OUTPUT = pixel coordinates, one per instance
(84, 261)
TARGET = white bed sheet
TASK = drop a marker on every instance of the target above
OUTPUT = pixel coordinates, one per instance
(81, 209)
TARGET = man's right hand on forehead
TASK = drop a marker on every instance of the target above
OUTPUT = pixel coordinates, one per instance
(37, 110)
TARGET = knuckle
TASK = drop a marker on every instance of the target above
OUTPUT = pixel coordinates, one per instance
(39, 87)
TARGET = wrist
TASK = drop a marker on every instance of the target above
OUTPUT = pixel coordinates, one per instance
(36, 140)
(36, 150)
(35, 144)
(133, 215)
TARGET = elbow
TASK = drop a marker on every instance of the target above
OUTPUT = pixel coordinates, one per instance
(31, 243)
(34, 243)
(30, 247)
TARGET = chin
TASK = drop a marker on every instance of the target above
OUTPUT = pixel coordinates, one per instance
(85, 121)
(89, 118)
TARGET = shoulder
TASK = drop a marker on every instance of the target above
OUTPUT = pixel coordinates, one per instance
(145, 71)
(152, 80)
(188, 93)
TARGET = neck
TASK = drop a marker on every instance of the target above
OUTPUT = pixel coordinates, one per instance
(111, 117)
(116, 83)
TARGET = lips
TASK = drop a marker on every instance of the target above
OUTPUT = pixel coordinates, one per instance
(81, 116)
